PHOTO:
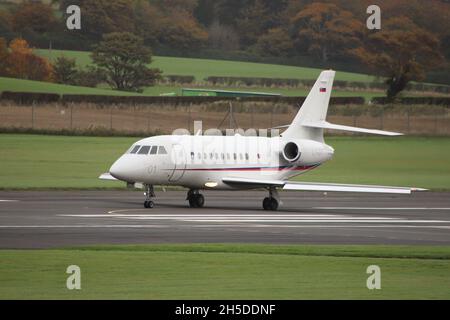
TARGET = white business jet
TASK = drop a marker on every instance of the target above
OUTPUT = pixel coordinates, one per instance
(239, 162)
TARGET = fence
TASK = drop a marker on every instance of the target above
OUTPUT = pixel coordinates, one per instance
(151, 119)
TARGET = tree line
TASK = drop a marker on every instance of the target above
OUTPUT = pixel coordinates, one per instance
(414, 39)
(324, 29)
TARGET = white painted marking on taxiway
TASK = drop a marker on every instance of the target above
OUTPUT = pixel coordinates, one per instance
(146, 226)
(175, 216)
(376, 208)
(316, 221)
(275, 218)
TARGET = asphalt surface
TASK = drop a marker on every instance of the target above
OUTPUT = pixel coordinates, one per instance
(55, 219)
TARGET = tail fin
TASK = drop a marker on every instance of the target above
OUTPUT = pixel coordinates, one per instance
(310, 122)
(314, 109)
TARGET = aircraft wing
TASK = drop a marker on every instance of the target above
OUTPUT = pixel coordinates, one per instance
(309, 186)
(254, 182)
(107, 176)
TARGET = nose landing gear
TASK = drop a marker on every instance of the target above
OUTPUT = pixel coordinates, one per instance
(196, 200)
(272, 202)
(149, 194)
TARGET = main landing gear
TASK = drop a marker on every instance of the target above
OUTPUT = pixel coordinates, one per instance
(149, 194)
(272, 202)
(196, 200)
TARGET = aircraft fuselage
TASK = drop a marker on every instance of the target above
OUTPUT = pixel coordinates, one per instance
(201, 162)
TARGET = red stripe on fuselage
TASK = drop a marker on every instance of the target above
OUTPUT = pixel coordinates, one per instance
(299, 168)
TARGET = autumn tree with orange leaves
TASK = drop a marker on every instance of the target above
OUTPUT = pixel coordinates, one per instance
(4, 53)
(401, 52)
(326, 31)
(19, 61)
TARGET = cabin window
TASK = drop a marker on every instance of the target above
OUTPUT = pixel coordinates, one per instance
(217, 156)
(205, 156)
(259, 156)
(192, 155)
(247, 157)
(240, 156)
(235, 156)
(162, 150)
(154, 150)
(223, 156)
(144, 150)
(199, 156)
(135, 149)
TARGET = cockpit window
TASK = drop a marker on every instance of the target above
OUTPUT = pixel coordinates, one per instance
(154, 150)
(162, 150)
(135, 149)
(144, 150)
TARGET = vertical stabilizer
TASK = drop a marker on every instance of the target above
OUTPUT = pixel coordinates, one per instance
(313, 110)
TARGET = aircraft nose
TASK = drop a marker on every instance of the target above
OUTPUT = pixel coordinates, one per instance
(121, 170)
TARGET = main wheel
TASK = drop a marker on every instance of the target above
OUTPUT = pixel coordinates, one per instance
(200, 200)
(196, 201)
(192, 202)
(149, 204)
(266, 204)
(273, 204)
(270, 204)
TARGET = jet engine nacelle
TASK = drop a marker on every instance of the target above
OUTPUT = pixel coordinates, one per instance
(306, 152)
(291, 152)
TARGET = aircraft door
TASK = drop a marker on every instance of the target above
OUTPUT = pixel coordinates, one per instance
(179, 161)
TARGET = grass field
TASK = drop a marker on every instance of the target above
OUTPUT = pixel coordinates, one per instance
(227, 272)
(34, 161)
(19, 85)
(202, 68)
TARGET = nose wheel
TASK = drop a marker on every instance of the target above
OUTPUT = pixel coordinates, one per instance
(196, 200)
(272, 202)
(149, 194)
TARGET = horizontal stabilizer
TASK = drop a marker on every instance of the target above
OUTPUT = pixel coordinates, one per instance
(107, 176)
(330, 126)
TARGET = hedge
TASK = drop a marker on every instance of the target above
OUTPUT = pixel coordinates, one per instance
(179, 79)
(29, 98)
(445, 101)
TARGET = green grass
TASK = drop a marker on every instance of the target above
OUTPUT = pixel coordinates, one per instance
(227, 272)
(288, 92)
(29, 161)
(202, 68)
(35, 161)
(19, 85)
(407, 161)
